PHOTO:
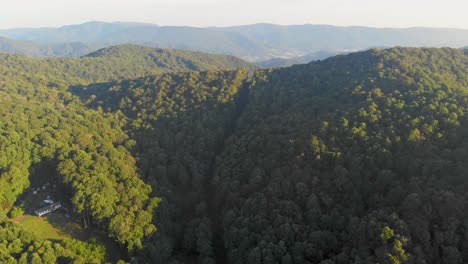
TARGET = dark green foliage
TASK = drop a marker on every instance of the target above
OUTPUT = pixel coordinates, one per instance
(359, 158)
(179, 122)
(356, 159)
(347, 148)
(43, 123)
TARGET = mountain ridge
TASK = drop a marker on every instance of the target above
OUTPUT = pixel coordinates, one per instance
(122, 62)
(358, 158)
(333, 161)
(253, 42)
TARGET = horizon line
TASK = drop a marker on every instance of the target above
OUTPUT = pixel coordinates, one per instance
(231, 26)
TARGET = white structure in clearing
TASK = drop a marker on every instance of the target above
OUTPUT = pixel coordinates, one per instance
(48, 209)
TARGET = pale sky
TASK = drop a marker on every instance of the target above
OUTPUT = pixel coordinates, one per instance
(201, 13)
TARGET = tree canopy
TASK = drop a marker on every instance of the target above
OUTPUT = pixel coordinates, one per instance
(360, 158)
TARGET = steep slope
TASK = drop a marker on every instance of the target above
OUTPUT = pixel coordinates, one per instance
(179, 122)
(49, 136)
(359, 158)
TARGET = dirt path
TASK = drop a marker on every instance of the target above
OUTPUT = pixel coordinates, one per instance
(20, 219)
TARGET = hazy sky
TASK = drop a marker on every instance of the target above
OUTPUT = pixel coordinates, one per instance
(376, 13)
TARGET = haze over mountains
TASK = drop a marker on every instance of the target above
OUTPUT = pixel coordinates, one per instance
(68, 49)
(179, 156)
(185, 145)
(258, 42)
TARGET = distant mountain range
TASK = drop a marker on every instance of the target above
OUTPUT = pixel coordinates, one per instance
(65, 49)
(258, 42)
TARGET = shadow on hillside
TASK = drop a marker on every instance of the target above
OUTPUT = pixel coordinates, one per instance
(176, 154)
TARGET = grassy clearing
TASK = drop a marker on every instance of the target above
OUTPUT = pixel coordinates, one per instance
(58, 227)
(42, 227)
(54, 226)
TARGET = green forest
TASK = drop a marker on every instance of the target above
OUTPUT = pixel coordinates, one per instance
(183, 157)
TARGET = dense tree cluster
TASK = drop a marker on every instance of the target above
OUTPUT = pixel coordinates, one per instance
(355, 159)
(41, 124)
(360, 158)
(179, 122)
(44, 125)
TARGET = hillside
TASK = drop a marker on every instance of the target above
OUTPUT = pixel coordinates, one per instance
(171, 59)
(355, 159)
(13, 46)
(360, 158)
(256, 42)
(343, 163)
(54, 146)
(121, 62)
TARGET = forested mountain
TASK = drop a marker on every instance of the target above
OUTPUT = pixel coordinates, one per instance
(48, 136)
(355, 159)
(99, 33)
(258, 42)
(360, 158)
(121, 62)
(171, 59)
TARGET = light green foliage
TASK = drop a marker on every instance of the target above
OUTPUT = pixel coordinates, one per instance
(42, 122)
(355, 159)
(16, 212)
(19, 245)
(387, 233)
